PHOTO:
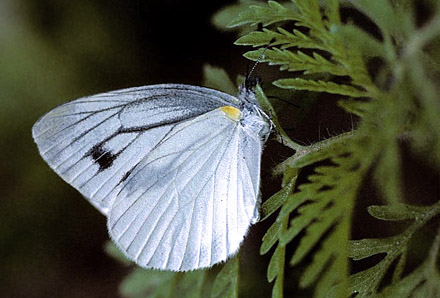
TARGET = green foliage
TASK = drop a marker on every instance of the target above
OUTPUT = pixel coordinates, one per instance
(149, 283)
(226, 282)
(426, 276)
(217, 78)
(317, 215)
(214, 283)
(396, 107)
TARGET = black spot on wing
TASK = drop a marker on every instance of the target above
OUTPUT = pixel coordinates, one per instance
(102, 157)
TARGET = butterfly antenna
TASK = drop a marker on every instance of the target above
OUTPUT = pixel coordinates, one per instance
(257, 62)
(248, 80)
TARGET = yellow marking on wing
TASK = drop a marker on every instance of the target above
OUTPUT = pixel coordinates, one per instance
(231, 112)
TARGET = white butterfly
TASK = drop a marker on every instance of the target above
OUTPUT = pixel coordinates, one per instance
(175, 168)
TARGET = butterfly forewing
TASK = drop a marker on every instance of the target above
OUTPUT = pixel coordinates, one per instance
(94, 142)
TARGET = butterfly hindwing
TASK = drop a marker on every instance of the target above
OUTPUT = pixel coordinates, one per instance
(190, 202)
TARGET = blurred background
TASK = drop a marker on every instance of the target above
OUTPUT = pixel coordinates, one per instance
(53, 51)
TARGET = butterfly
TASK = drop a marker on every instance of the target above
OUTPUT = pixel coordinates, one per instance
(175, 168)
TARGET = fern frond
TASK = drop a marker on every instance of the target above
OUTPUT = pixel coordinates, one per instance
(388, 173)
(366, 283)
(426, 136)
(277, 200)
(275, 271)
(354, 107)
(311, 15)
(343, 61)
(383, 14)
(319, 86)
(276, 266)
(201, 283)
(305, 156)
(331, 11)
(223, 17)
(366, 44)
(322, 206)
(422, 282)
(296, 61)
(283, 38)
(268, 14)
(325, 213)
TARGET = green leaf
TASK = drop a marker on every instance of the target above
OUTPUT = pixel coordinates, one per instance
(283, 37)
(310, 11)
(422, 282)
(308, 213)
(149, 283)
(325, 213)
(189, 284)
(223, 17)
(333, 282)
(381, 12)
(320, 260)
(226, 282)
(112, 250)
(396, 112)
(289, 174)
(389, 174)
(292, 203)
(142, 281)
(397, 275)
(367, 282)
(217, 78)
(360, 249)
(257, 38)
(339, 145)
(296, 61)
(320, 86)
(278, 288)
(332, 11)
(406, 286)
(270, 238)
(396, 212)
(360, 40)
(277, 200)
(314, 233)
(355, 107)
(268, 14)
(276, 263)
